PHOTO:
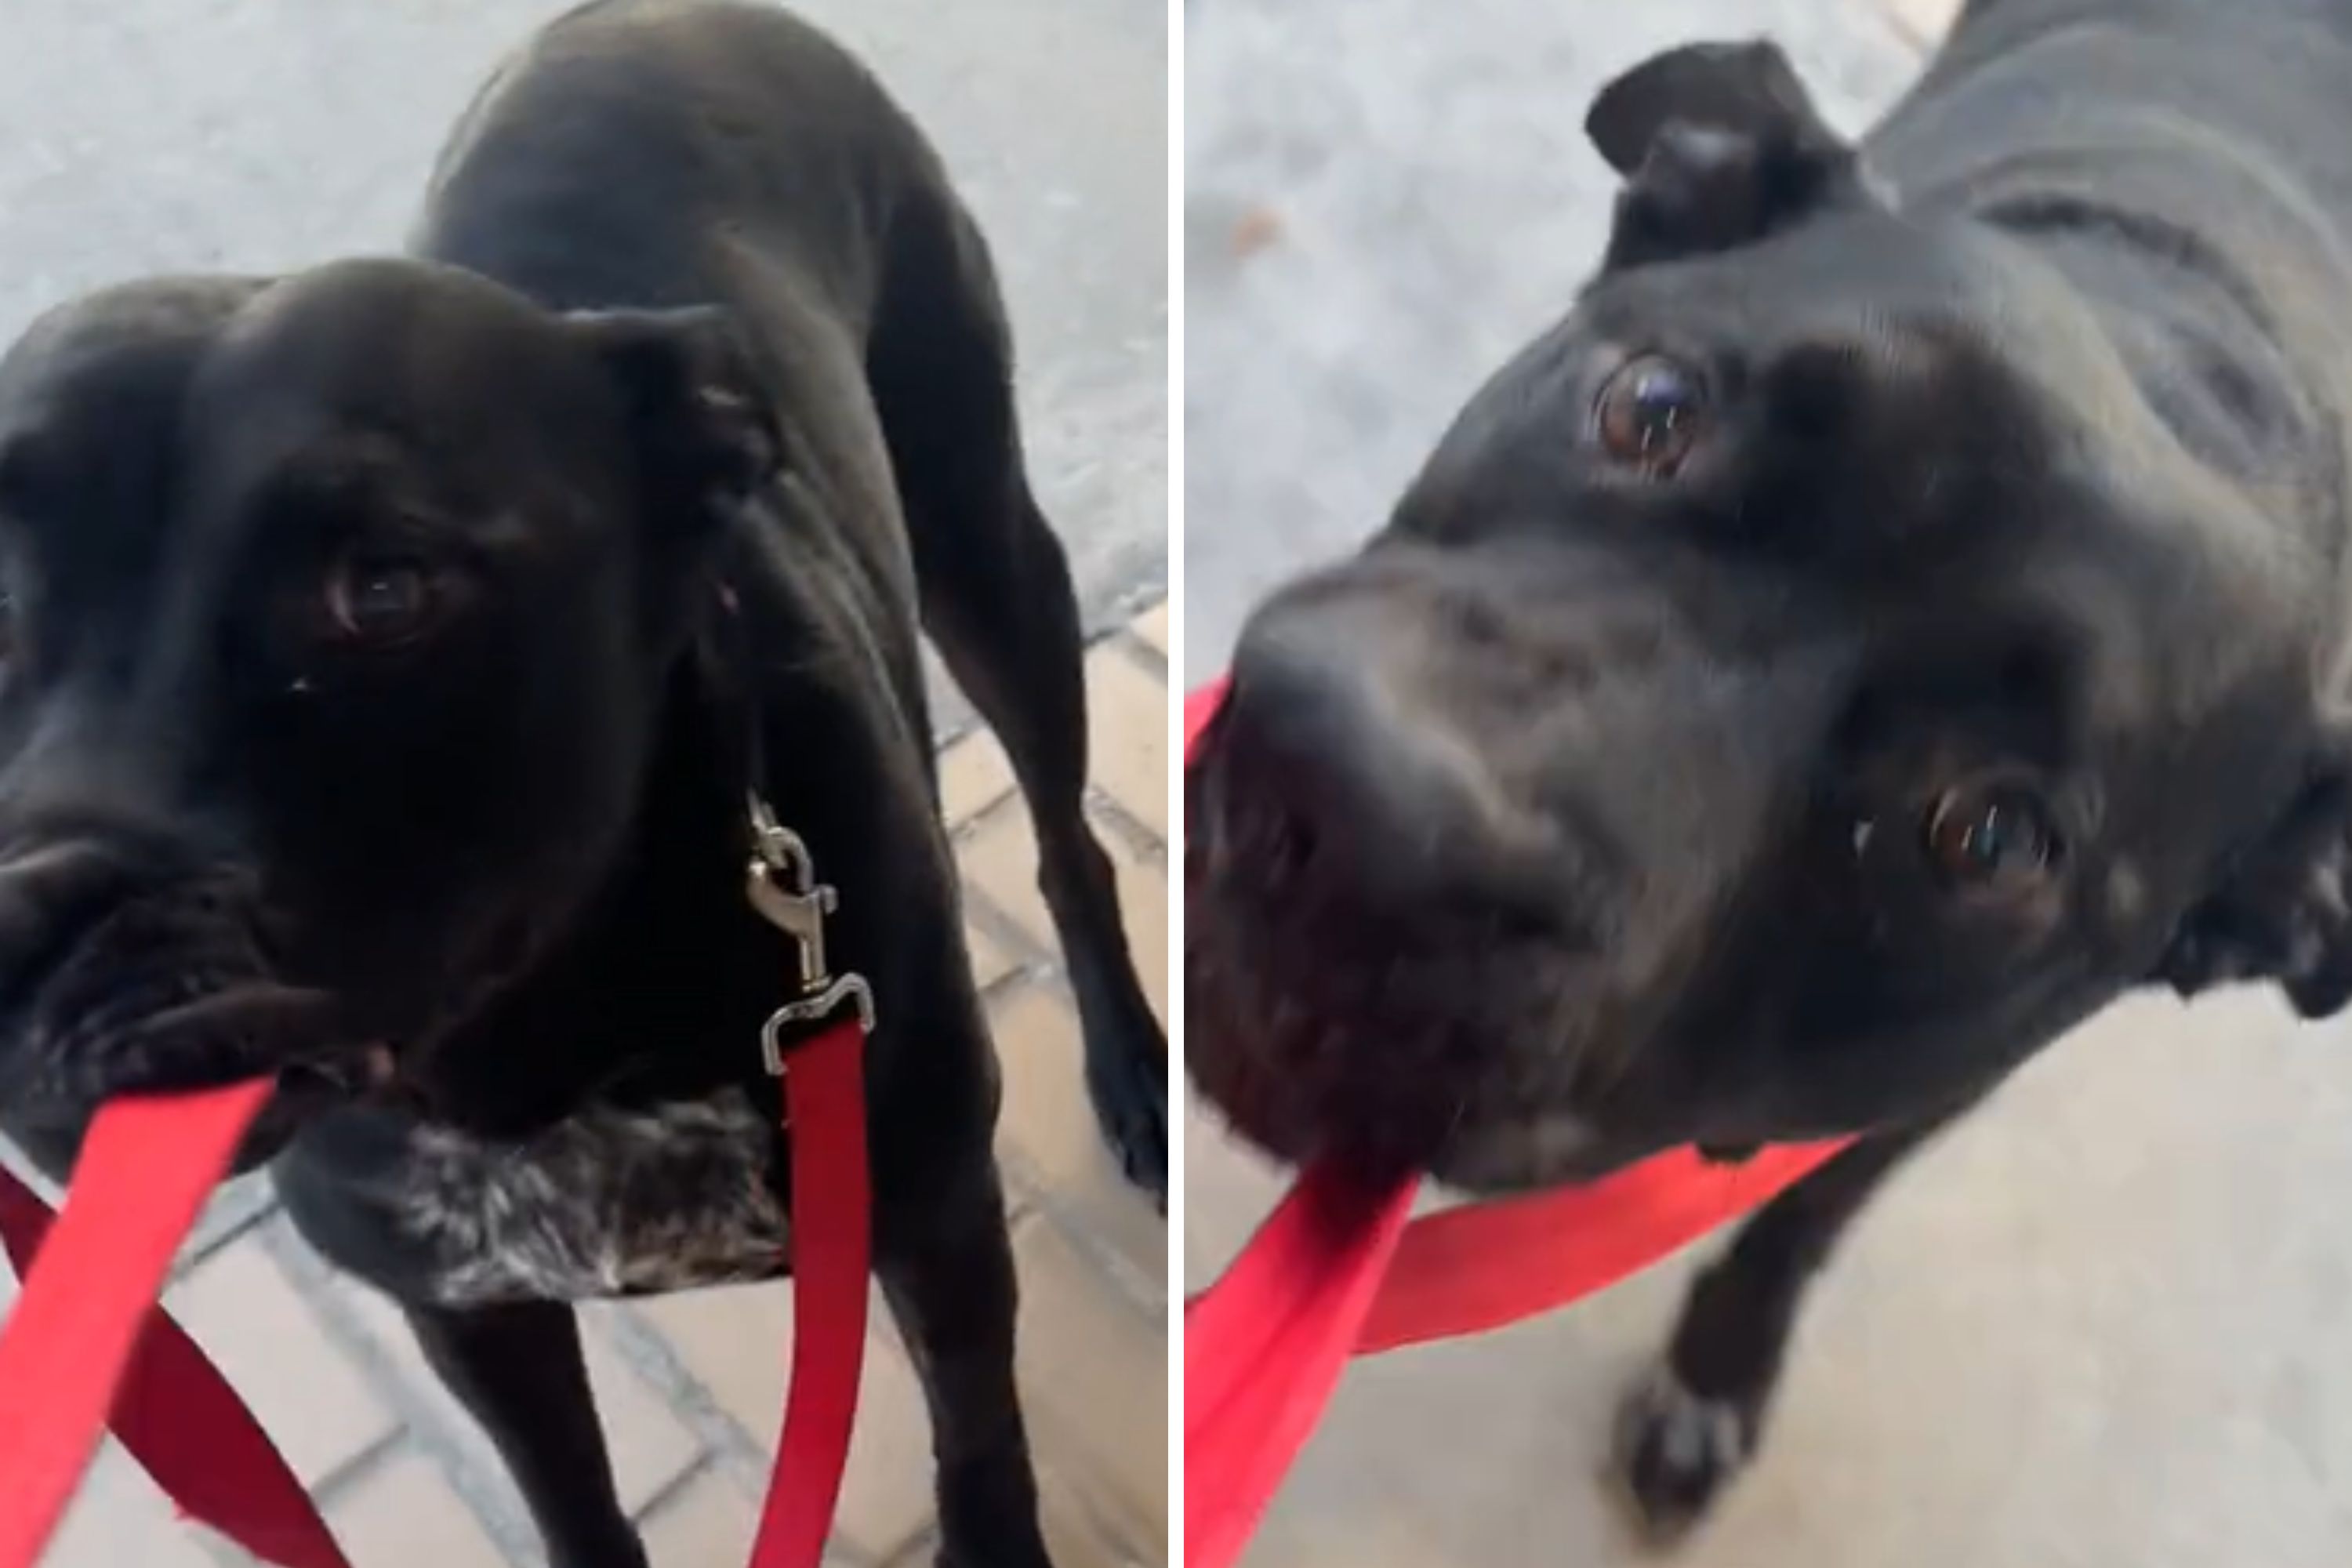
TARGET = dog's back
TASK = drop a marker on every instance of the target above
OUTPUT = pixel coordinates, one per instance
(2259, 80)
(2190, 165)
(596, 168)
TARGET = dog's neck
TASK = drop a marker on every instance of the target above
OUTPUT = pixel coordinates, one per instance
(658, 989)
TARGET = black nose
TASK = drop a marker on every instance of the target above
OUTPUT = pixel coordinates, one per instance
(1339, 774)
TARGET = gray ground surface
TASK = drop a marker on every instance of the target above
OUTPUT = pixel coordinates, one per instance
(2107, 1323)
(178, 135)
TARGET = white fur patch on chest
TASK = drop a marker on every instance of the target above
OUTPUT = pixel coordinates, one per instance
(610, 1202)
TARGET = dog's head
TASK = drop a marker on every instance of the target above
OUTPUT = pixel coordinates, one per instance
(1807, 679)
(336, 617)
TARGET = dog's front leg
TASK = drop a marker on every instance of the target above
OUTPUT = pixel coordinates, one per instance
(946, 1267)
(518, 1370)
(1692, 1423)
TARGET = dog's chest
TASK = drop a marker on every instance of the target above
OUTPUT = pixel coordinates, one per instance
(611, 1203)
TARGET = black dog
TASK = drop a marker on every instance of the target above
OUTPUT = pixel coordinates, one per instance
(1900, 609)
(391, 649)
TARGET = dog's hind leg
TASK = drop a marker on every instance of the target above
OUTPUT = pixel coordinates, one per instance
(1692, 1422)
(518, 1369)
(998, 602)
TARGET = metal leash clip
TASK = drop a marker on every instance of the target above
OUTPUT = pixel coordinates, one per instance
(784, 889)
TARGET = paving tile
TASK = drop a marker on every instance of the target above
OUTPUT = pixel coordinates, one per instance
(974, 774)
(1079, 1538)
(999, 863)
(1126, 732)
(1094, 1379)
(244, 1311)
(736, 1342)
(887, 1495)
(405, 1516)
(1049, 1125)
(991, 961)
(119, 1519)
(651, 1448)
(430, 1400)
(1151, 626)
(1924, 22)
(707, 1525)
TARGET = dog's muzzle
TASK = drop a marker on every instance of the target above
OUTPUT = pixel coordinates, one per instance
(125, 967)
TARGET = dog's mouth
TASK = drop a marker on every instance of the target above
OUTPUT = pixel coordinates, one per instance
(166, 990)
(1470, 1046)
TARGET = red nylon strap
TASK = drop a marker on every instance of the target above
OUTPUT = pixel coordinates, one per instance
(1338, 1271)
(1263, 1349)
(85, 1346)
(833, 1246)
(87, 1325)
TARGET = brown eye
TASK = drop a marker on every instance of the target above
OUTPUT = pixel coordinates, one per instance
(1996, 837)
(7, 630)
(1649, 412)
(383, 600)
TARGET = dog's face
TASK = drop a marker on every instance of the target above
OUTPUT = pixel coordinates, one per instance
(1801, 685)
(339, 615)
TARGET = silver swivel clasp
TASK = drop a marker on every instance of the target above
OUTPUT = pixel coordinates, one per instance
(783, 886)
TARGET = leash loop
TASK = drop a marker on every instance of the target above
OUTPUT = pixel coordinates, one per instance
(782, 885)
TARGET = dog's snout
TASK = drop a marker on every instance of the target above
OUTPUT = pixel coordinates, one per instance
(61, 872)
(44, 886)
(1339, 776)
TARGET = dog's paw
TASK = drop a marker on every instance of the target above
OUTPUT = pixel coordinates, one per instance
(1675, 1452)
(1129, 1084)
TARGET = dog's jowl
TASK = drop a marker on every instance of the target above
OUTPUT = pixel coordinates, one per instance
(391, 651)
(1897, 610)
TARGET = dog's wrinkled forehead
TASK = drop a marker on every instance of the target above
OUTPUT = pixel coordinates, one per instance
(91, 396)
(445, 370)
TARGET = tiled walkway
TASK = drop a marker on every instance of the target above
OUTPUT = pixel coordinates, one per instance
(691, 1386)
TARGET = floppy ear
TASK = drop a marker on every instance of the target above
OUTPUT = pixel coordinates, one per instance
(702, 420)
(2280, 912)
(1720, 144)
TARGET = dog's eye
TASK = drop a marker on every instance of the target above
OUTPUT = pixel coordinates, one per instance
(1996, 837)
(7, 630)
(383, 600)
(1649, 412)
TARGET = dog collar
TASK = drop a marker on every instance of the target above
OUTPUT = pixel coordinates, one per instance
(1342, 1270)
(87, 1346)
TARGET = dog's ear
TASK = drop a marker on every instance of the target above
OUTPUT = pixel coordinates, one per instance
(2281, 912)
(702, 420)
(1719, 144)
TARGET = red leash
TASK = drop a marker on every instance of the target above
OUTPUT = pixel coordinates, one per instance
(86, 1342)
(1340, 1270)
(85, 1346)
(833, 1242)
